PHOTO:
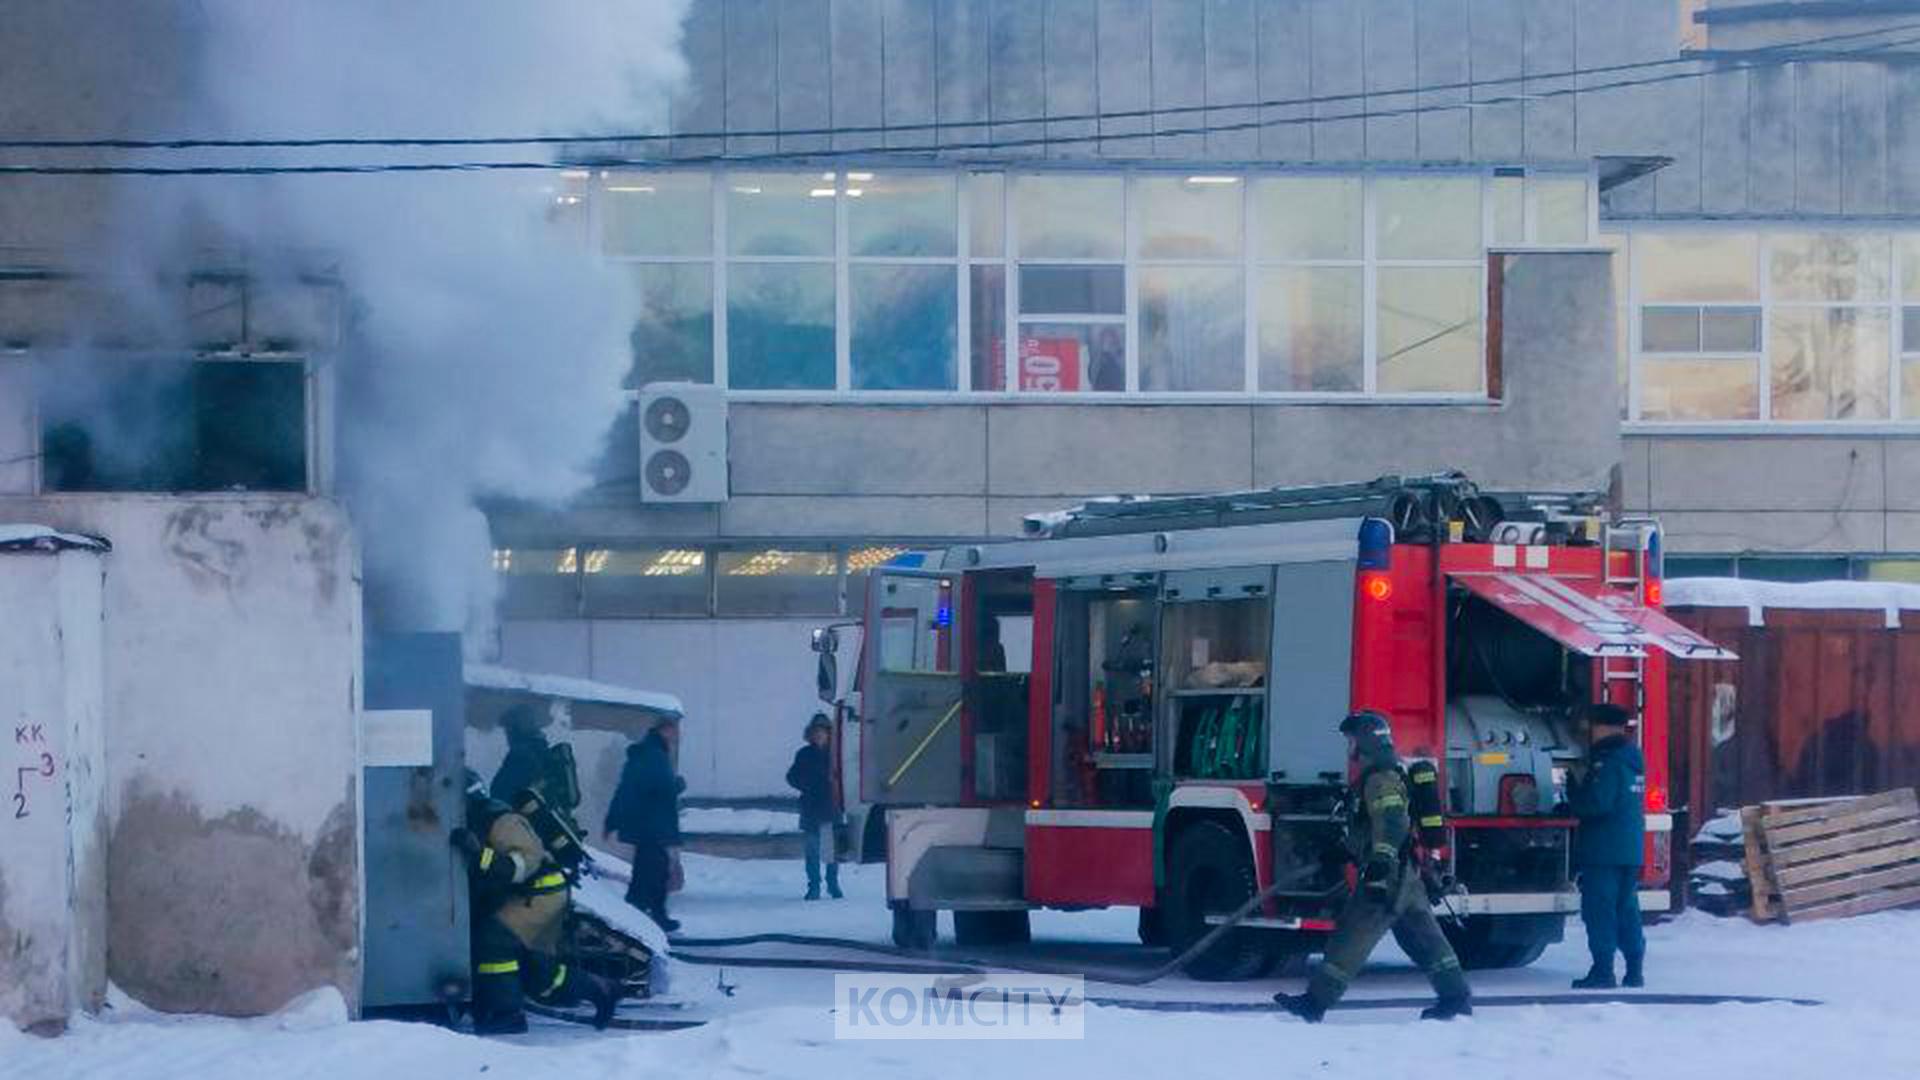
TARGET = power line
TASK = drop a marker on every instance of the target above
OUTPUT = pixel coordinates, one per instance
(1762, 57)
(874, 151)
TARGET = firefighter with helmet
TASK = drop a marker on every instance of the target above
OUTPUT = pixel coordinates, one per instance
(1391, 893)
(520, 901)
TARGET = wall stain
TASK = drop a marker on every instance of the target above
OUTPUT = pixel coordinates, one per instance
(233, 914)
(211, 562)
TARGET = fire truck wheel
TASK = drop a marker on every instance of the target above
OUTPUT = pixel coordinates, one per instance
(1212, 874)
(991, 928)
(1478, 950)
(1153, 926)
(915, 930)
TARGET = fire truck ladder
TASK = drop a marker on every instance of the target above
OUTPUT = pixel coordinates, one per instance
(1635, 532)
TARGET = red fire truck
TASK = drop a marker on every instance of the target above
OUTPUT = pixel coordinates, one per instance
(1138, 705)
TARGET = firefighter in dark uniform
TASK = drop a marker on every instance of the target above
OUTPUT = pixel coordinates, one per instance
(1391, 895)
(526, 760)
(1610, 801)
(520, 899)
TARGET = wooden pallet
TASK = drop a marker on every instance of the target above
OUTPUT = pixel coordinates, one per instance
(1834, 858)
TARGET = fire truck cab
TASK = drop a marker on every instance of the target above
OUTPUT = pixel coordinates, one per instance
(1138, 705)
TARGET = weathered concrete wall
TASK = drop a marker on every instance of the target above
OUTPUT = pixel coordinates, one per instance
(53, 826)
(1779, 493)
(1814, 138)
(232, 686)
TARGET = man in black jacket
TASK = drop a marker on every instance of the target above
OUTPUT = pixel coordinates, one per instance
(1610, 801)
(811, 774)
(526, 761)
(646, 813)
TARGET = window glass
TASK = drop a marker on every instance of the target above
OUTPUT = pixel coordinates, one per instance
(1773, 568)
(1063, 357)
(1837, 267)
(657, 213)
(1709, 267)
(673, 339)
(1908, 245)
(780, 213)
(1678, 566)
(777, 581)
(1192, 329)
(1430, 333)
(1700, 389)
(1311, 327)
(861, 562)
(1910, 388)
(1507, 196)
(906, 213)
(1910, 329)
(987, 334)
(1070, 217)
(644, 581)
(1308, 217)
(1559, 209)
(916, 624)
(1828, 363)
(1670, 329)
(780, 326)
(1730, 329)
(1428, 217)
(1890, 570)
(1073, 290)
(1192, 217)
(538, 583)
(986, 214)
(904, 326)
(145, 423)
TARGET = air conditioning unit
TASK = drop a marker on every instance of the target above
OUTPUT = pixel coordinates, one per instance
(683, 443)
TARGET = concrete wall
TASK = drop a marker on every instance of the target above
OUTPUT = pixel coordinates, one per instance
(232, 687)
(1813, 138)
(1778, 493)
(747, 684)
(53, 824)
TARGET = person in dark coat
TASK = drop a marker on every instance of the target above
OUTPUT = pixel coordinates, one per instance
(645, 813)
(526, 762)
(811, 774)
(1610, 801)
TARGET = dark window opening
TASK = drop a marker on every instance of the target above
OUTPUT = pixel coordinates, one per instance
(167, 424)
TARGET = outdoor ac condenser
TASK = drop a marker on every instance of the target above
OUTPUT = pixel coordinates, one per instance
(683, 443)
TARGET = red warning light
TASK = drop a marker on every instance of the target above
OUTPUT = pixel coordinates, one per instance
(1378, 586)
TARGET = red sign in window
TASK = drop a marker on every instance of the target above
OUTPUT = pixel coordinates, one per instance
(1051, 365)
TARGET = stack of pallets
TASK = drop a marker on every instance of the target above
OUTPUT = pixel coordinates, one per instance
(1833, 858)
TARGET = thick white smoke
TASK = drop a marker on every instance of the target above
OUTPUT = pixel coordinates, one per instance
(487, 345)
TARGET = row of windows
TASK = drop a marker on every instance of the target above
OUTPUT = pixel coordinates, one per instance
(1068, 282)
(1792, 568)
(685, 580)
(1791, 326)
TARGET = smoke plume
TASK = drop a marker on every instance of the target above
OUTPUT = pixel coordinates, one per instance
(485, 345)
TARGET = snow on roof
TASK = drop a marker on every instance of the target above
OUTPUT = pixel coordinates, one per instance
(494, 677)
(43, 538)
(1756, 596)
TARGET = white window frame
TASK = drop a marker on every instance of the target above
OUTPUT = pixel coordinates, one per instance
(1249, 263)
(1766, 230)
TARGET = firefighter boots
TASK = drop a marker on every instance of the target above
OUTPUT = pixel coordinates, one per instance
(1447, 1009)
(1303, 1006)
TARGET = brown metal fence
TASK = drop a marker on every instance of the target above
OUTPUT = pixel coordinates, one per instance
(1821, 702)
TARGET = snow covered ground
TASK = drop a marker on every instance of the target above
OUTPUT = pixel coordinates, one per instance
(776, 1023)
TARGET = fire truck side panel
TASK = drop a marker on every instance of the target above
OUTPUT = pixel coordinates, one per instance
(1040, 696)
(1311, 659)
(1091, 857)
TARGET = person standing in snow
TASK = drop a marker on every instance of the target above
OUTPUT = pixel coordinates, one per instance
(645, 813)
(1391, 895)
(519, 902)
(1610, 801)
(811, 774)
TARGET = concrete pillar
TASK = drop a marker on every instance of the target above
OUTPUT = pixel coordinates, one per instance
(53, 916)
